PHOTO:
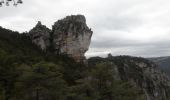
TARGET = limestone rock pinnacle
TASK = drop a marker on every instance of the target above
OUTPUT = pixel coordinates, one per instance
(72, 36)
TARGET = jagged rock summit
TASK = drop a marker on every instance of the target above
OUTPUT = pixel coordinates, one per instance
(40, 35)
(70, 36)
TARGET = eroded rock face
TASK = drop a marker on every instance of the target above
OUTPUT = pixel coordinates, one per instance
(155, 83)
(72, 36)
(40, 35)
(146, 75)
(141, 73)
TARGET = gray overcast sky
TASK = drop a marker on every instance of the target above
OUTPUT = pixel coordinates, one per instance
(121, 27)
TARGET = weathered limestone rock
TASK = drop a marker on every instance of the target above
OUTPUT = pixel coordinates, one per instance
(72, 36)
(40, 35)
(141, 73)
(154, 82)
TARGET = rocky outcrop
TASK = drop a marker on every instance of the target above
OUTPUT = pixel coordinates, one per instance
(40, 35)
(139, 72)
(162, 62)
(70, 36)
(155, 83)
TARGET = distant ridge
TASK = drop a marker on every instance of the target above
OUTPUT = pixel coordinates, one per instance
(162, 62)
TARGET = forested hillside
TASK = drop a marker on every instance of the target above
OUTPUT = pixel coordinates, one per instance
(27, 73)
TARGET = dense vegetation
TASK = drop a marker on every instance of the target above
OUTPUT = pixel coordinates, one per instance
(27, 73)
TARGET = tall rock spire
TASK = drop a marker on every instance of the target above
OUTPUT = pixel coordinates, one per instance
(72, 36)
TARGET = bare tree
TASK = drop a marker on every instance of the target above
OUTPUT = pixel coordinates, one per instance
(7, 2)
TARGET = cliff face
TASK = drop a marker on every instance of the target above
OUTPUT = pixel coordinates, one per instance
(139, 72)
(40, 35)
(70, 36)
(154, 82)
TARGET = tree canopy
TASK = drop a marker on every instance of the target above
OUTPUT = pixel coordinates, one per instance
(8, 2)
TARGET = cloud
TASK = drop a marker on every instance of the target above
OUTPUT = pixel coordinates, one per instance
(128, 27)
